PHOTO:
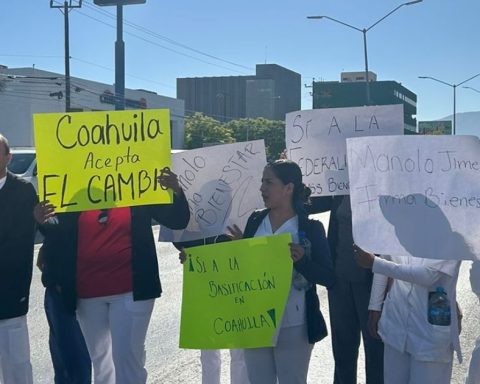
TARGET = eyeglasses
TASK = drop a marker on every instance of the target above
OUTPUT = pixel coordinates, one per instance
(103, 216)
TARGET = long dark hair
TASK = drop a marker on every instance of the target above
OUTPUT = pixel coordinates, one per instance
(289, 172)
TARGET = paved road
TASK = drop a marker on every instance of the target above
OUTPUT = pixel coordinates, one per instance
(167, 364)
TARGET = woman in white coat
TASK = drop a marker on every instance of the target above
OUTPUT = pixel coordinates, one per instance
(474, 369)
(415, 350)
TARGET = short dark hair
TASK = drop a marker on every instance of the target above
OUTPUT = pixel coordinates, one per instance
(4, 140)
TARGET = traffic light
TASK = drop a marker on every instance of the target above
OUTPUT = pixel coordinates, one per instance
(117, 2)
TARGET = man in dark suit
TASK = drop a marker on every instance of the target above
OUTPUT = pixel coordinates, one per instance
(348, 299)
(17, 233)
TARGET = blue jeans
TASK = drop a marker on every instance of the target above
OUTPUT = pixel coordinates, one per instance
(70, 358)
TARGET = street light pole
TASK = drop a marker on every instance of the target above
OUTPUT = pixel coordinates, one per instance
(119, 49)
(454, 86)
(367, 84)
(364, 31)
(454, 108)
(66, 9)
(119, 63)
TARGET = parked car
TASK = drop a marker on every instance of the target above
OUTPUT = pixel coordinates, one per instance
(24, 164)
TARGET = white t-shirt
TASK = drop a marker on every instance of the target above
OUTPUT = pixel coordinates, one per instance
(2, 181)
(295, 312)
(404, 322)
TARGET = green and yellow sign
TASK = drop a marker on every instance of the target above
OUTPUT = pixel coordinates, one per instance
(234, 293)
(93, 160)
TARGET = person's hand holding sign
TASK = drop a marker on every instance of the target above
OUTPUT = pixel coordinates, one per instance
(363, 259)
(296, 252)
(43, 211)
(168, 179)
(235, 232)
(182, 256)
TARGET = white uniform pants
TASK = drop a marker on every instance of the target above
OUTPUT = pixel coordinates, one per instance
(288, 361)
(114, 328)
(15, 367)
(402, 368)
(474, 370)
(211, 366)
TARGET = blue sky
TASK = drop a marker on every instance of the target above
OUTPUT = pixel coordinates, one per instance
(437, 38)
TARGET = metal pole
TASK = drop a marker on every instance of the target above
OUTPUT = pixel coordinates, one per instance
(65, 8)
(454, 108)
(364, 31)
(67, 57)
(119, 63)
(367, 84)
(454, 86)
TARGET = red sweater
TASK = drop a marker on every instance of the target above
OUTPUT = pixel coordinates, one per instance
(104, 262)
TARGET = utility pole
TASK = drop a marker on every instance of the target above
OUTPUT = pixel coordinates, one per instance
(65, 9)
(310, 86)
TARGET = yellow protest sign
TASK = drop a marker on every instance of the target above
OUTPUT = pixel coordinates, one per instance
(234, 293)
(93, 160)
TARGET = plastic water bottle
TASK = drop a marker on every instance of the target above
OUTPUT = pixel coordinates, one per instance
(299, 282)
(439, 307)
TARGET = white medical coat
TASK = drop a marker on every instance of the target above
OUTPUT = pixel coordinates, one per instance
(404, 322)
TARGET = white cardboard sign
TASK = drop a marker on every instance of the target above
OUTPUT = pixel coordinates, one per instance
(315, 140)
(416, 195)
(222, 186)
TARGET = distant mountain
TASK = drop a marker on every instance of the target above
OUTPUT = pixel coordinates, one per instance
(468, 123)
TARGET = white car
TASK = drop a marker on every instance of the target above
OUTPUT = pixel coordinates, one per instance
(24, 164)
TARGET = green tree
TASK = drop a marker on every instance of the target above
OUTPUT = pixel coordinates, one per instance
(202, 130)
(272, 131)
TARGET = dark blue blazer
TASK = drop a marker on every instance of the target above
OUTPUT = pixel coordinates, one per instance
(317, 270)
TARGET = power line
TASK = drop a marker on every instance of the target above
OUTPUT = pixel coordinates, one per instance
(127, 74)
(88, 63)
(74, 82)
(165, 38)
(148, 32)
(187, 111)
(15, 76)
(96, 93)
(161, 46)
(34, 56)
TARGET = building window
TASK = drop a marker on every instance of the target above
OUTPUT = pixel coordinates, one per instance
(404, 98)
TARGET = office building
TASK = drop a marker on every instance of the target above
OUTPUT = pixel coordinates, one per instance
(25, 91)
(350, 92)
(271, 93)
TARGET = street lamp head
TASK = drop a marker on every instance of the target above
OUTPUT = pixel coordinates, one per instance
(473, 89)
(438, 81)
(117, 2)
(314, 17)
(413, 2)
